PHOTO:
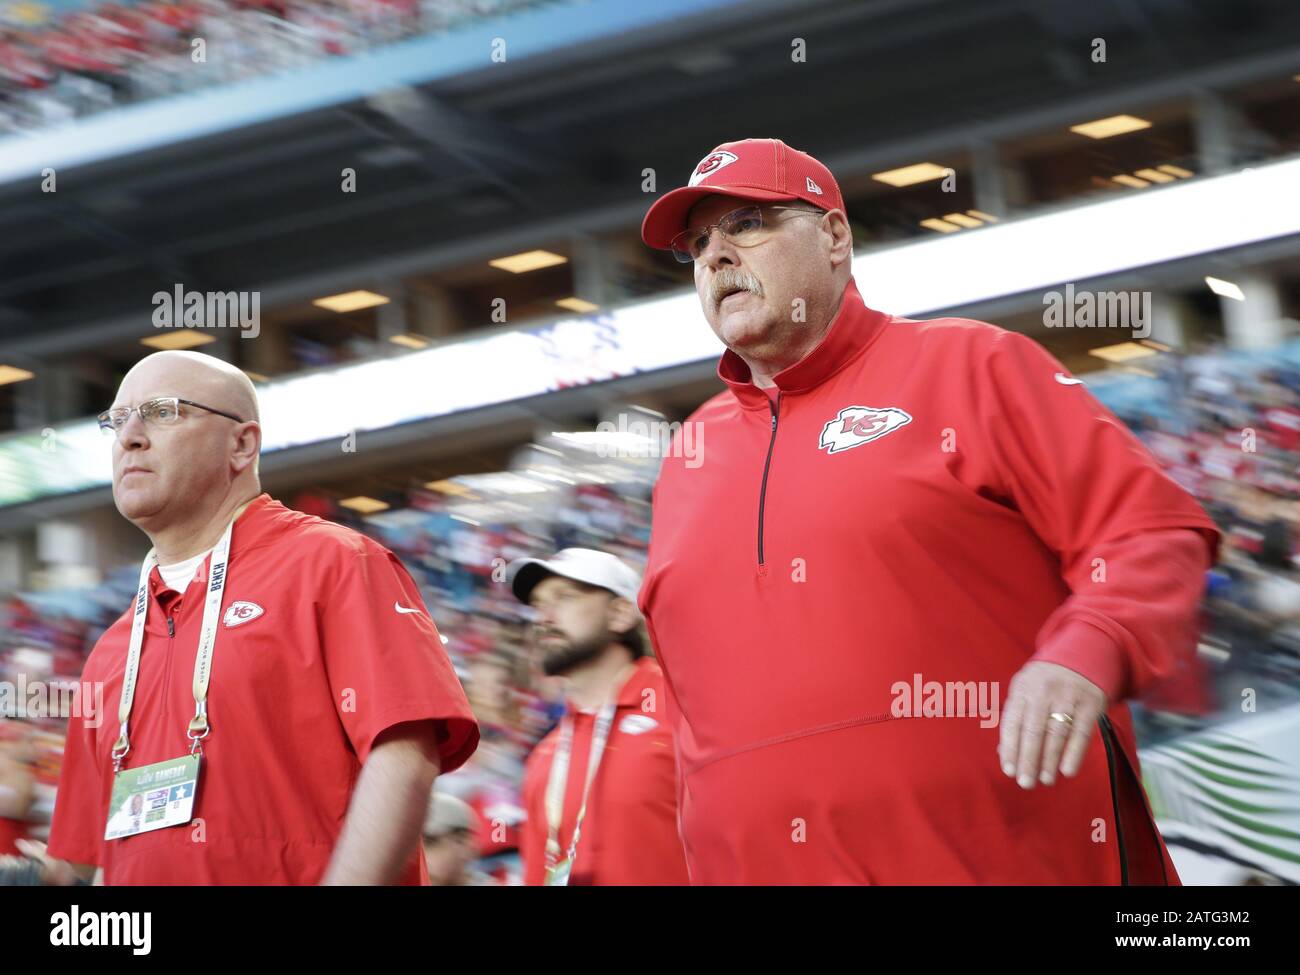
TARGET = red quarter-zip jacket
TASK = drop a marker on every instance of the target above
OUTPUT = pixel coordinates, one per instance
(923, 504)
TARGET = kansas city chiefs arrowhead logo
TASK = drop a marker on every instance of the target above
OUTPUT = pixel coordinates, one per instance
(635, 724)
(855, 425)
(241, 612)
(710, 164)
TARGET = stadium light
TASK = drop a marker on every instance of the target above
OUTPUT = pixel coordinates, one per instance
(951, 222)
(448, 486)
(578, 304)
(528, 261)
(409, 341)
(1154, 175)
(911, 175)
(177, 338)
(350, 301)
(363, 504)
(1105, 128)
(1122, 352)
(1225, 289)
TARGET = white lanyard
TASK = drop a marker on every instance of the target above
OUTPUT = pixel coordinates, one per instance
(557, 784)
(198, 728)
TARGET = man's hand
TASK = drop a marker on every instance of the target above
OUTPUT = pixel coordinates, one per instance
(1033, 745)
(54, 872)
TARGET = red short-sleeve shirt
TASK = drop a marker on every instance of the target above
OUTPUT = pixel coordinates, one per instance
(324, 643)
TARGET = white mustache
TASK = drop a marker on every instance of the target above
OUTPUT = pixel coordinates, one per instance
(729, 279)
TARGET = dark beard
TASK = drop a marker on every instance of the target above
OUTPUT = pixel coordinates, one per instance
(558, 660)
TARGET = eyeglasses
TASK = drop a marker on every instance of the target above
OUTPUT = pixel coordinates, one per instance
(163, 411)
(744, 227)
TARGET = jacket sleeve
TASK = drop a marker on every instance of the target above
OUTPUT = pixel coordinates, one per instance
(1133, 545)
(384, 657)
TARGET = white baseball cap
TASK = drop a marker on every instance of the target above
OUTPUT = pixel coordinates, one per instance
(580, 564)
(446, 813)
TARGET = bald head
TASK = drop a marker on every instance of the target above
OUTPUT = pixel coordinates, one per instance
(193, 375)
(166, 473)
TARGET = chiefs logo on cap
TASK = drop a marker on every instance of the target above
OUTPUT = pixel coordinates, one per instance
(710, 164)
(855, 425)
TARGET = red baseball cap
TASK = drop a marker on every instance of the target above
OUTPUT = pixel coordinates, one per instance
(752, 169)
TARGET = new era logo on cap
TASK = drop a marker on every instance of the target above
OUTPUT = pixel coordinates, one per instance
(710, 164)
(813, 187)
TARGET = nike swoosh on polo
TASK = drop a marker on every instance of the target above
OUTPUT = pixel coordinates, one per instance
(1065, 380)
(404, 609)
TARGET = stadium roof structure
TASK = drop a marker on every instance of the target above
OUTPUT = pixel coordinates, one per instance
(459, 158)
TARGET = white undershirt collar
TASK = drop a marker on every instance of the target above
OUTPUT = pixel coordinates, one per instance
(177, 577)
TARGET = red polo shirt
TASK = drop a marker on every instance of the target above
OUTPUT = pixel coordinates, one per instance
(629, 835)
(306, 673)
(921, 498)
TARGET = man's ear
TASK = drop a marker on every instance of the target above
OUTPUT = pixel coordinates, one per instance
(623, 615)
(837, 225)
(247, 447)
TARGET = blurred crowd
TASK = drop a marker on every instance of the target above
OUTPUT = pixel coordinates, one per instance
(59, 65)
(1230, 435)
(1232, 438)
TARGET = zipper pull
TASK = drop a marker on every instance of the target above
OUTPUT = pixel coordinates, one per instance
(171, 628)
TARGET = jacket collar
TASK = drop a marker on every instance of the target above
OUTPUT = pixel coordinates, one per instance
(646, 674)
(854, 327)
(250, 528)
